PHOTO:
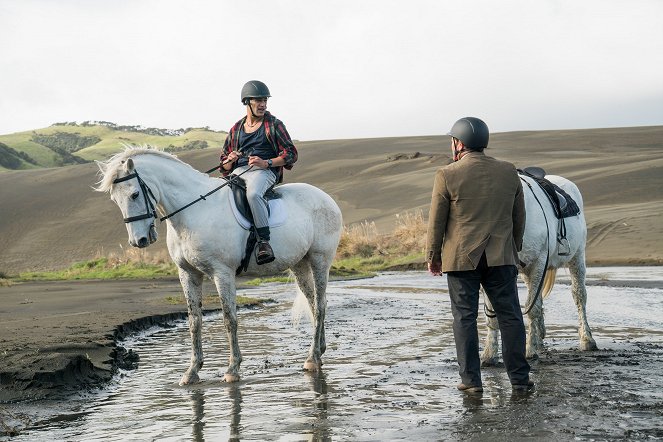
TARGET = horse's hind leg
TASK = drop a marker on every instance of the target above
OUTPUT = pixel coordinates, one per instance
(536, 327)
(192, 283)
(579, 292)
(489, 356)
(312, 273)
(225, 285)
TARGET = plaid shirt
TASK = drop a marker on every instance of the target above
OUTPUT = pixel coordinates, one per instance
(278, 137)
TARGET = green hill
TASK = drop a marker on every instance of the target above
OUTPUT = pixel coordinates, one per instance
(75, 143)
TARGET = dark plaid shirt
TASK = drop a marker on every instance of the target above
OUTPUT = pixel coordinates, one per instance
(278, 137)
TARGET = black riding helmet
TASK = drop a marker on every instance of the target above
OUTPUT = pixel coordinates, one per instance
(472, 131)
(254, 89)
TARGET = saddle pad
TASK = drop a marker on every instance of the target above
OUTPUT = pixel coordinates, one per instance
(277, 213)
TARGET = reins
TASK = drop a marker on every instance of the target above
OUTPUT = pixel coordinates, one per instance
(204, 197)
(491, 313)
(150, 211)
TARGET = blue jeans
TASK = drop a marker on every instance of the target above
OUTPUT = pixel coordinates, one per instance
(500, 285)
(258, 181)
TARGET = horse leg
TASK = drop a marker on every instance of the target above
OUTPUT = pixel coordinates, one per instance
(225, 285)
(536, 327)
(312, 274)
(489, 356)
(192, 284)
(579, 292)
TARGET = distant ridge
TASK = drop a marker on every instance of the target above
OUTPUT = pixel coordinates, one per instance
(66, 143)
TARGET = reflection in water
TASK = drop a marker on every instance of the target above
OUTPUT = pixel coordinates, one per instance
(235, 394)
(321, 429)
(390, 373)
(198, 408)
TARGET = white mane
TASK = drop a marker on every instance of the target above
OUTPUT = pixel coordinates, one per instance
(108, 170)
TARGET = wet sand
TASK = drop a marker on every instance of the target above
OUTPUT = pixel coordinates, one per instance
(390, 373)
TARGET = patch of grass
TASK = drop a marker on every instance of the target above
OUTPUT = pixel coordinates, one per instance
(132, 264)
(258, 281)
(363, 249)
(213, 299)
(362, 252)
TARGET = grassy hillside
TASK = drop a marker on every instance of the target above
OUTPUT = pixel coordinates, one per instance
(51, 218)
(70, 143)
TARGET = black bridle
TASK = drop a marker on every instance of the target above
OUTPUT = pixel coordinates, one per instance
(148, 196)
(150, 211)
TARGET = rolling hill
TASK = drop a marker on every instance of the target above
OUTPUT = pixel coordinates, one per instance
(51, 217)
(68, 143)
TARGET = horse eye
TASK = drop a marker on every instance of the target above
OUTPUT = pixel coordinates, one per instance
(134, 195)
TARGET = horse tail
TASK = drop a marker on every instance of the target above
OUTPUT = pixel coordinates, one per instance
(548, 281)
(299, 307)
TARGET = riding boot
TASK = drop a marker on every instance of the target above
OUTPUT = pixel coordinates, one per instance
(264, 253)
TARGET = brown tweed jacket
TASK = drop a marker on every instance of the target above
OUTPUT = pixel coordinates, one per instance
(477, 206)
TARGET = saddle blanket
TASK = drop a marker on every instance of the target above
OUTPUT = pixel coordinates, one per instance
(277, 213)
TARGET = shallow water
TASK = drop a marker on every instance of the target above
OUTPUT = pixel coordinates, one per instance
(389, 373)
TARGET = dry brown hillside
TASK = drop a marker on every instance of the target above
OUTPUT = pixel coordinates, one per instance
(51, 218)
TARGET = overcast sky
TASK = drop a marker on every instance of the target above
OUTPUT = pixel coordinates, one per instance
(336, 69)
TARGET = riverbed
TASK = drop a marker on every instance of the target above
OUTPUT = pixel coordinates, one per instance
(389, 373)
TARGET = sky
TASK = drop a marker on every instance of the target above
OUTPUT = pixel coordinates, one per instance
(336, 69)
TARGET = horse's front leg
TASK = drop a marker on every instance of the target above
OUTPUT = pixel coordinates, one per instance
(579, 292)
(225, 285)
(192, 283)
(491, 347)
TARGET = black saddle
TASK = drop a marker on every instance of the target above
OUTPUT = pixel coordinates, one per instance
(238, 188)
(563, 205)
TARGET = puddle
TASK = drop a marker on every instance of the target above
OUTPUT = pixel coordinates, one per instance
(389, 374)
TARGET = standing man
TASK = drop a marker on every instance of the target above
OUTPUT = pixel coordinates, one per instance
(475, 230)
(258, 146)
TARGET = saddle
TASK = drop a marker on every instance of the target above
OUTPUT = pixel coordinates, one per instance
(238, 186)
(563, 205)
(238, 190)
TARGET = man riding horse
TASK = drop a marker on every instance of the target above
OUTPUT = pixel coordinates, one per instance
(258, 147)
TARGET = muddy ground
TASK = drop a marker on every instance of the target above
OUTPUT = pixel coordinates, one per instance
(390, 370)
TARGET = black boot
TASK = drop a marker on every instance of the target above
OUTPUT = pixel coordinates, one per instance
(264, 253)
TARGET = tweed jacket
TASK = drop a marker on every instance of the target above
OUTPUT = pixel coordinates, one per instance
(477, 206)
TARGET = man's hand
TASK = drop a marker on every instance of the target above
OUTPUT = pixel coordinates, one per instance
(435, 268)
(258, 162)
(233, 156)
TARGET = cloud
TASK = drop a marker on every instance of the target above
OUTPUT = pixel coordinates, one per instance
(337, 69)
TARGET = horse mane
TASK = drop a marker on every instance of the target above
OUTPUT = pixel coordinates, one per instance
(108, 170)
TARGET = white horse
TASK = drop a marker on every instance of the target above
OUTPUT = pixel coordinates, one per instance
(206, 240)
(540, 258)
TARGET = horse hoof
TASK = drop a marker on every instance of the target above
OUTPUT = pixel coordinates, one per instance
(188, 379)
(230, 377)
(490, 362)
(588, 346)
(312, 366)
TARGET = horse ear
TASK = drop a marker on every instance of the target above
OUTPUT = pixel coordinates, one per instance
(129, 165)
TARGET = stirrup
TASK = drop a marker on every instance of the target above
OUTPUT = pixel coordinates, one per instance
(267, 256)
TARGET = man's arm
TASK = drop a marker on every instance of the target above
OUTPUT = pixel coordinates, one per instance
(519, 217)
(437, 223)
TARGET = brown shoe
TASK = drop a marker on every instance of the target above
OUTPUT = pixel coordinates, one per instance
(470, 388)
(265, 254)
(529, 386)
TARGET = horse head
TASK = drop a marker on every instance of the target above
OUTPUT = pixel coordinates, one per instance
(134, 198)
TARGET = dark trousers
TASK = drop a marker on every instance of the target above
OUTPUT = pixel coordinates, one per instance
(499, 283)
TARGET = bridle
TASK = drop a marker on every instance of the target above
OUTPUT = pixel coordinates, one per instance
(148, 196)
(150, 211)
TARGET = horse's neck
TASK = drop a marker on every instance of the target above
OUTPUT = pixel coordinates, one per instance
(176, 183)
